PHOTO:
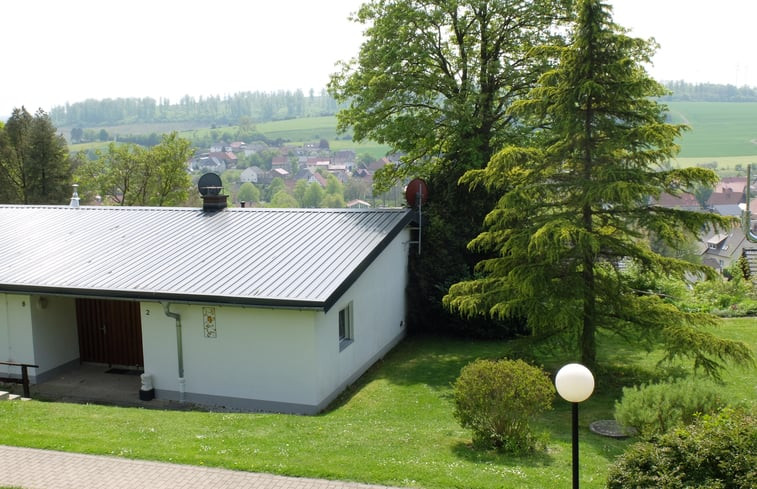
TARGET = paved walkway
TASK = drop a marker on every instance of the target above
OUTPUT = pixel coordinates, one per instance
(30, 468)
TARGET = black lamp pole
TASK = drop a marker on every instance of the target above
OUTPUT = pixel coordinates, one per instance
(575, 445)
(574, 383)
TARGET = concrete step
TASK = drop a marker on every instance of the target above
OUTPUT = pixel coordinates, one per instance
(13, 397)
(3, 395)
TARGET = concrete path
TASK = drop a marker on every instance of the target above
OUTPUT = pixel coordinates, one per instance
(29, 468)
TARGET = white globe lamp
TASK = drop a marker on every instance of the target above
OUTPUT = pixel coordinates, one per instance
(574, 383)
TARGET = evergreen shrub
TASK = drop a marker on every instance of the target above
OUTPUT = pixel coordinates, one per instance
(498, 399)
(717, 451)
(654, 409)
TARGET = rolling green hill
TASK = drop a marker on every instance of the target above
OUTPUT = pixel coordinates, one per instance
(725, 132)
(718, 129)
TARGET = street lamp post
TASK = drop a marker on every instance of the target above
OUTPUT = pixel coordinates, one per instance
(574, 383)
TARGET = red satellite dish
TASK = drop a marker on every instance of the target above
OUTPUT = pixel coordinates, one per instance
(416, 192)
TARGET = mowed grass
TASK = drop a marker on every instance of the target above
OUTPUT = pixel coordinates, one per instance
(717, 129)
(302, 129)
(394, 427)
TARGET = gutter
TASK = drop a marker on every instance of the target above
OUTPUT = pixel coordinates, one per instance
(179, 347)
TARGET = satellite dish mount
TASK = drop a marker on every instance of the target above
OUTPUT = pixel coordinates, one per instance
(210, 187)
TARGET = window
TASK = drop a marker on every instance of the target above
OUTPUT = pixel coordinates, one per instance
(345, 327)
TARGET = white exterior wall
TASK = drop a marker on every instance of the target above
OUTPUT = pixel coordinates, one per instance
(378, 307)
(55, 335)
(259, 359)
(37, 330)
(16, 343)
(268, 359)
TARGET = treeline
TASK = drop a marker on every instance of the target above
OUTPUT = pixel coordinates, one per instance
(257, 106)
(270, 106)
(709, 92)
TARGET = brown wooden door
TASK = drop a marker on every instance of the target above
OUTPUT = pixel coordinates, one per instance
(109, 332)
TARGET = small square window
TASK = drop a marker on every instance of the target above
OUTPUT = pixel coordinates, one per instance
(346, 332)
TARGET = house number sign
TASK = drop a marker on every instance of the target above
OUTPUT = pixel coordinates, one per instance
(209, 322)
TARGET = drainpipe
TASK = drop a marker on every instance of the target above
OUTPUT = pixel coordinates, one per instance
(179, 349)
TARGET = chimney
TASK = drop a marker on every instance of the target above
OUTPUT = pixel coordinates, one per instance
(212, 203)
(75, 198)
(210, 187)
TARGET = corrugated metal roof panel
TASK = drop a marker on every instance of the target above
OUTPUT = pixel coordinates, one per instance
(286, 257)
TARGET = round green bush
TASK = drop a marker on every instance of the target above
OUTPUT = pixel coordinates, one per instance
(654, 409)
(498, 399)
(717, 451)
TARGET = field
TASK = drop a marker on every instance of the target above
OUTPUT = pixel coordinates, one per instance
(394, 426)
(720, 132)
(295, 131)
(718, 129)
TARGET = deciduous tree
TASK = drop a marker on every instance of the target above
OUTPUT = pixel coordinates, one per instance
(577, 202)
(299, 191)
(313, 195)
(282, 199)
(169, 163)
(130, 175)
(248, 193)
(433, 79)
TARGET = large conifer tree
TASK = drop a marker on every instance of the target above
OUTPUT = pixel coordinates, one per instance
(34, 163)
(576, 205)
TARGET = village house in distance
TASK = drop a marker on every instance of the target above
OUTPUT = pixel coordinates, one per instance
(308, 162)
(720, 249)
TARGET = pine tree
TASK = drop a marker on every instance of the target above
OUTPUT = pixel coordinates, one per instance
(34, 163)
(576, 204)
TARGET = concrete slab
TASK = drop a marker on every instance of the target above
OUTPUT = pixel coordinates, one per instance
(92, 384)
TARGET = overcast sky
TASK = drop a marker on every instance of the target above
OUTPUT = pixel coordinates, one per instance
(56, 51)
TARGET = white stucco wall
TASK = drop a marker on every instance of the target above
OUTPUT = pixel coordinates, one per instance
(264, 355)
(379, 308)
(278, 359)
(55, 335)
(37, 330)
(16, 342)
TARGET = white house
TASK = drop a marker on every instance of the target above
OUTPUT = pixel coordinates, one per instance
(250, 309)
(252, 174)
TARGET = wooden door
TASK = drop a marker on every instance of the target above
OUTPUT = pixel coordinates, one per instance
(109, 332)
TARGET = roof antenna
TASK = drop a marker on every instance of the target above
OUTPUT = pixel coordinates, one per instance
(75, 198)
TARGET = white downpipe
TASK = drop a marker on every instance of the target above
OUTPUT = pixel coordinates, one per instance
(179, 348)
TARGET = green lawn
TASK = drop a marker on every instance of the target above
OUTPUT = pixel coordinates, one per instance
(394, 427)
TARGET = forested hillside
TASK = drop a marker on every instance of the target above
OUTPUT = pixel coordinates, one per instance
(258, 107)
(255, 106)
(709, 92)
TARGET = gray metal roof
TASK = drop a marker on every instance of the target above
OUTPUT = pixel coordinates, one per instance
(269, 257)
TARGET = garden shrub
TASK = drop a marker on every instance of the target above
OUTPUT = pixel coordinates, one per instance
(656, 408)
(498, 399)
(716, 451)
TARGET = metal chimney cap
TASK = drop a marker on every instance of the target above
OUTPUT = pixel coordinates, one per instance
(75, 197)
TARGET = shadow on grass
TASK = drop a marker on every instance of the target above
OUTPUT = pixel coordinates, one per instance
(471, 453)
(436, 362)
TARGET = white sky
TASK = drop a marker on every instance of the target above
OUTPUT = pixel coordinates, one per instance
(56, 51)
